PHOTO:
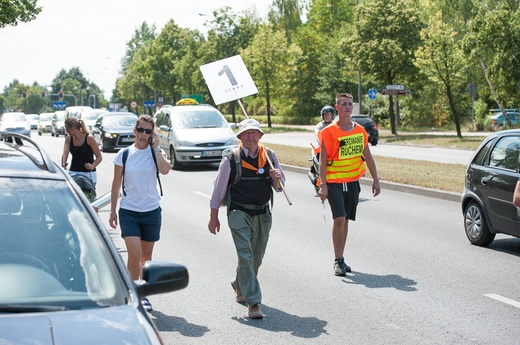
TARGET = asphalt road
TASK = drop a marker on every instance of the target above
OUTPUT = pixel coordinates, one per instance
(415, 280)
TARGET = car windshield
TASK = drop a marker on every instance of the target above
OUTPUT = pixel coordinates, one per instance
(14, 118)
(60, 116)
(120, 121)
(52, 253)
(90, 116)
(32, 117)
(198, 119)
(46, 117)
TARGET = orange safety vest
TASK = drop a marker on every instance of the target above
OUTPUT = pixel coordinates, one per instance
(345, 161)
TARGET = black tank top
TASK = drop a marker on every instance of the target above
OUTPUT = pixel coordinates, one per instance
(81, 155)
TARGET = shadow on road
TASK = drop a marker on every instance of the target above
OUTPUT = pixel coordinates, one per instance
(373, 281)
(167, 323)
(280, 321)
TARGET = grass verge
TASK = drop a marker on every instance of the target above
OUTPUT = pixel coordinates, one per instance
(446, 177)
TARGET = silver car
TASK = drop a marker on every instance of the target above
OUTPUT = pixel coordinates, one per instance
(14, 123)
(193, 134)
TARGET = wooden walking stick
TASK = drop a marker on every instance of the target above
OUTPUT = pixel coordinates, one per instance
(268, 159)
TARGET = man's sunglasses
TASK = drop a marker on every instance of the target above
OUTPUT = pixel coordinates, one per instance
(146, 130)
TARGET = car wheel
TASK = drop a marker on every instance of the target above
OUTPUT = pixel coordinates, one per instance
(52, 133)
(173, 161)
(476, 226)
(39, 133)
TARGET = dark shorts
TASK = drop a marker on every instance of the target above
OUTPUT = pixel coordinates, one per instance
(145, 225)
(343, 199)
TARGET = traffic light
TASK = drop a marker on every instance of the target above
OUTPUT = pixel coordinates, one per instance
(60, 94)
(43, 93)
(24, 94)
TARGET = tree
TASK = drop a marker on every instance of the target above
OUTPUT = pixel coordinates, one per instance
(286, 16)
(441, 59)
(14, 11)
(267, 58)
(493, 41)
(143, 36)
(384, 44)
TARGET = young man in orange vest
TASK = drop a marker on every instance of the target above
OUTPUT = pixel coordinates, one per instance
(344, 153)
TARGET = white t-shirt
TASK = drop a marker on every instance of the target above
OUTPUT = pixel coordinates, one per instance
(140, 180)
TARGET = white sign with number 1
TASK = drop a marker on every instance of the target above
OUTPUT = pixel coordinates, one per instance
(228, 79)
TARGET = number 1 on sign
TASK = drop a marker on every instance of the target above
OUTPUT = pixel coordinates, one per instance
(229, 74)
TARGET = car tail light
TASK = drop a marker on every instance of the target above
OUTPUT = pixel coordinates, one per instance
(376, 127)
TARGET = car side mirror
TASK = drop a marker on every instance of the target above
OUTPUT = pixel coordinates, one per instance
(164, 128)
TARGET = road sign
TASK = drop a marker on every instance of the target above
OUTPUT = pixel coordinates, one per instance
(396, 92)
(59, 105)
(372, 93)
(133, 104)
(472, 89)
(149, 104)
(195, 96)
(397, 87)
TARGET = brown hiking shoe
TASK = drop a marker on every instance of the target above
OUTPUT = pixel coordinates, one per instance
(238, 294)
(254, 311)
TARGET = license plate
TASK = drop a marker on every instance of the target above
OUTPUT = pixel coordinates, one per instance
(127, 139)
(211, 153)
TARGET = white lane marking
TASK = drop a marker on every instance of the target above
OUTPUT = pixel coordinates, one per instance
(503, 299)
(204, 195)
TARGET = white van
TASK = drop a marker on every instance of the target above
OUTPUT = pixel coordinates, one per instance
(75, 111)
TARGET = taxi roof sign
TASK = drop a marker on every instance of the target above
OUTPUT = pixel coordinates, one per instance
(187, 101)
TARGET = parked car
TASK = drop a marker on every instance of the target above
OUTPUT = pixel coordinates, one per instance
(370, 126)
(193, 134)
(33, 120)
(498, 120)
(58, 123)
(45, 123)
(487, 199)
(90, 117)
(14, 123)
(115, 130)
(63, 280)
(74, 111)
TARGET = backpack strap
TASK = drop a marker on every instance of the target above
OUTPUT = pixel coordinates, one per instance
(125, 157)
(156, 167)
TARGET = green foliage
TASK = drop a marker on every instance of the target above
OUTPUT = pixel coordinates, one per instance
(14, 11)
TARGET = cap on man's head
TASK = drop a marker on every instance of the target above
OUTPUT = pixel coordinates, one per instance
(248, 124)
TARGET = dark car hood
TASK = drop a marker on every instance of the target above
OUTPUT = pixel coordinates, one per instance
(114, 325)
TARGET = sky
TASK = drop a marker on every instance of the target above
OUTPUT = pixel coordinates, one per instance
(92, 35)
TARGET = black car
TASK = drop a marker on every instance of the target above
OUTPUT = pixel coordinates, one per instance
(491, 177)
(370, 126)
(114, 131)
(63, 280)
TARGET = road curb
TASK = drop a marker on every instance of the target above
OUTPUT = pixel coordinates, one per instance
(428, 192)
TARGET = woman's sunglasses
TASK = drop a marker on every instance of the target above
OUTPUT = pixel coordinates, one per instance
(146, 130)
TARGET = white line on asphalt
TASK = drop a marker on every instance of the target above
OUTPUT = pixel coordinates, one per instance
(503, 299)
(204, 195)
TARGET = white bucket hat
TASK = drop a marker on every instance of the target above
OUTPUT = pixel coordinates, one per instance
(249, 124)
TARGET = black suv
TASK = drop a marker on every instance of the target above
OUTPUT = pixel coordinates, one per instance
(368, 123)
(491, 177)
(63, 280)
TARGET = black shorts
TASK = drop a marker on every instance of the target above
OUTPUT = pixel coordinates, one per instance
(343, 199)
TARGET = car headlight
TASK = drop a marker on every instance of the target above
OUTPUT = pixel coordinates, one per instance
(230, 142)
(110, 135)
(185, 144)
